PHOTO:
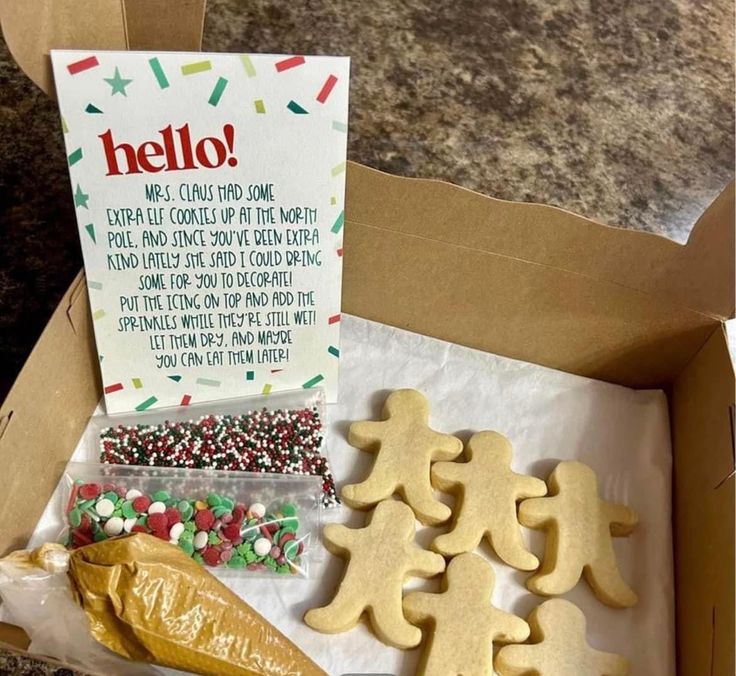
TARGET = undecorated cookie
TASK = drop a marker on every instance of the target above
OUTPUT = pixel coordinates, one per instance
(487, 493)
(380, 557)
(405, 447)
(558, 648)
(461, 623)
(579, 527)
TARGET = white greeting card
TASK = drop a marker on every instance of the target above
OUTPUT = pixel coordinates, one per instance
(209, 193)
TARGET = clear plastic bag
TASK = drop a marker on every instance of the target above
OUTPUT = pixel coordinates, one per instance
(279, 433)
(232, 522)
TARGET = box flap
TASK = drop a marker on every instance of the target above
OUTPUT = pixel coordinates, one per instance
(698, 276)
(702, 404)
(526, 281)
(32, 28)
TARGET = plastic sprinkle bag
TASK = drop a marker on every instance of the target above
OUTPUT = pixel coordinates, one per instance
(230, 521)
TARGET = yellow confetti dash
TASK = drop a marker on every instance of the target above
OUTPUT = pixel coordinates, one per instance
(338, 169)
(267, 388)
(137, 383)
(64, 128)
(98, 315)
(333, 200)
(260, 107)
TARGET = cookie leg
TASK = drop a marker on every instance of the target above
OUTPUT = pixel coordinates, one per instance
(390, 625)
(378, 486)
(554, 581)
(509, 545)
(605, 579)
(339, 616)
(464, 537)
(420, 497)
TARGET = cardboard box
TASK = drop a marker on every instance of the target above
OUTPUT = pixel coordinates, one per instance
(522, 280)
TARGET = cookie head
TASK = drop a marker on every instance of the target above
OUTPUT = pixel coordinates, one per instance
(396, 515)
(407, 403)
(470, 571)
(490, 444)
(573, 474)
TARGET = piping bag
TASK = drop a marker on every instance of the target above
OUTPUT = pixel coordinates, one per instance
(148, 601)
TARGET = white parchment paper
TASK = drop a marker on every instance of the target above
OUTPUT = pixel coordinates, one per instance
(548, 416)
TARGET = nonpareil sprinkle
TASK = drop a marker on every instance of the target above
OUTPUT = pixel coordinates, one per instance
(283, 441)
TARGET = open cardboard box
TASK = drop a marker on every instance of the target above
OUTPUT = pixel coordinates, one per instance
(522, 280)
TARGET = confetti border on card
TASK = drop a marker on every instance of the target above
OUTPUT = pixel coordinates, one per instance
(158, 72)
(82, 65)
(196, 67)
(327, 88)
(288, 64)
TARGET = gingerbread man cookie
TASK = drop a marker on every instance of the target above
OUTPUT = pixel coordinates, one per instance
(462, 623)
(579, 527)
(559, 647)
(405, 447)
(380, 557)
(487, 494)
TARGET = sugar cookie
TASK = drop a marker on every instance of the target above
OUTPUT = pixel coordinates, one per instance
(559, 647)
(405, 448)
(461, 622)
(486, 504)
(579, 527)
(380, 557)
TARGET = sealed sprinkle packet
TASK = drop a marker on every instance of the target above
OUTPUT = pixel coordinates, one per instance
(150, 603)
(280, 433)
(228, 522)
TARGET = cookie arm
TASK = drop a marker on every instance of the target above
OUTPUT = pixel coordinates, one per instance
(446, 475)
(365, 435)
(536, 512)
(418, 606)
(422, 563)
(530, 487)
(446, 447)
(337, 538)
(623, 519)
(509, 628)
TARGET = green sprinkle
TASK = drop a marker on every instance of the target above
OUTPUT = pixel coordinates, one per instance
(128, 510)
(220, 511)
(190, 526)
(227, 502)
(283, 569)
(214, 500)
(236, 562)
(112, 496)
(160, 496)
(198, 558)
(187, 547)
(117, 512)
(87, 504)
(142, 521)
(288, 509)
(99, 536)
(186, 536)
(213, 539)
(250, 557)
(182, 505)
(75, 518)
(244, 548)
(290, 549)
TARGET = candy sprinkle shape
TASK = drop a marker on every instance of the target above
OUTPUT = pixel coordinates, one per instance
(405, 447)
(559, 647)
(283, 441)
(461, 622)
(487, 495)
(213, 529)
(379, 558)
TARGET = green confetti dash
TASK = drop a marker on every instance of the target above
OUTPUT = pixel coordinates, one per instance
(176, 379)
(250, 375)
(158, 72)
(137, 383)
(209, 382)
(90, 228)
(99, 314)
(338, 169)
(93, 109)
(94, 285)
(313, 381)
(146, 404)
(294, 107)
(339, 126)
(260, 106)
(64, 128)
(196, 67)
(333, 351)
(80, 198)
(339, 221)
(250, 69)
(75, 157)
(216, 94)
(118, 83)
(267, 388)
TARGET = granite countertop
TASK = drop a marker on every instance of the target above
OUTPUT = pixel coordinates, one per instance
(619, 111)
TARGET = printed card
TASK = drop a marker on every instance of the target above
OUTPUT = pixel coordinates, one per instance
(209, 192)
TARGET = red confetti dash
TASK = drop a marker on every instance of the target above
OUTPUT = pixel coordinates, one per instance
(334, 319)
(327, 88)
(291, 62)
(276, 370)
(84, 64)
(116, 387)
(339, 252)
(185, 400)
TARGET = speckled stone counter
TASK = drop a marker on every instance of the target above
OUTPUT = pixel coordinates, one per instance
(619, 111)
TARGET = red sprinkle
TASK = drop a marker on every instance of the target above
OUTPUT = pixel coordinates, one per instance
(81, 538)
(238, 513)
(211, 556)
(141, 503)
(108, 487)
(163, 534)
(89, 491)
(138, 529)
(231, 531)
(173, 515)
(158, 522)
(204, 519)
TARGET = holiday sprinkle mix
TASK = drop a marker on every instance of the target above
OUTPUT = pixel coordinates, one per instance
(285, 441)
(216, 531)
